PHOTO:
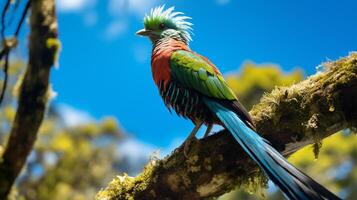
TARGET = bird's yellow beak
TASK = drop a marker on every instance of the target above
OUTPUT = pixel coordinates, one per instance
(143, 32)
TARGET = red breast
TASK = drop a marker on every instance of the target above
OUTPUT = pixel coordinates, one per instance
(160, 59)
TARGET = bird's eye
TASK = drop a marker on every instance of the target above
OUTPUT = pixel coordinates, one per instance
(162, 26)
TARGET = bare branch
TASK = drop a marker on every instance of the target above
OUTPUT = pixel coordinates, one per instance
(289, 117)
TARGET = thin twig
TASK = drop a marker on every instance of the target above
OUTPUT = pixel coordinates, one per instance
(6, 67)
(7, 46)
(15, 8)
(23, 16)
(3, 17)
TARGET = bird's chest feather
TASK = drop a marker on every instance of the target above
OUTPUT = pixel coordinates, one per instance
(160, 66)
(160, 59)
(184, 101)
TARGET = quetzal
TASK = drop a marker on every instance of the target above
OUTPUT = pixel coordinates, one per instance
(194, 88)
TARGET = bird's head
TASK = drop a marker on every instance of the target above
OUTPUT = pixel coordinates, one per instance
(160, 23)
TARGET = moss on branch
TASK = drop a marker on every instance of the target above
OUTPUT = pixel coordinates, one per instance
(289, 117)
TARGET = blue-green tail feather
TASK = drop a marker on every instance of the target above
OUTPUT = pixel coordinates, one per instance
(294, 184)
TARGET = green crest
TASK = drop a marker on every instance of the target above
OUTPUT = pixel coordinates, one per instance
(160, 18)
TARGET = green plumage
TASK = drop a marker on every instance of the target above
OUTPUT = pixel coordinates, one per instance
(194, 72)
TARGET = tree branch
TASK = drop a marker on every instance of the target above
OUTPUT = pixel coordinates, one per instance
(289, 117)
(33, 94)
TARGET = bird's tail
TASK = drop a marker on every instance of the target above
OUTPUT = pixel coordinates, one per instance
(293, 183)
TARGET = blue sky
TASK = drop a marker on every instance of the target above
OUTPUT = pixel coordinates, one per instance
(104, 69)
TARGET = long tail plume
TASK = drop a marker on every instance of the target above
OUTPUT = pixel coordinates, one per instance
(293, 183)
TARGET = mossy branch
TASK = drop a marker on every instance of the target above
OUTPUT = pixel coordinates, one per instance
(33, 95)
(289, 117)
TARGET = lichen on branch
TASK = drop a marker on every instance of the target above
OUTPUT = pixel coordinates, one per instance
(289, 117)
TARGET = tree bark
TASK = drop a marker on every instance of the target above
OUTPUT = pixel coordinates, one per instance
(289, 117)
(34, 92)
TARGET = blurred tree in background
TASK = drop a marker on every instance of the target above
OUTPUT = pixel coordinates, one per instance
(68, 161)
(255, 80)
(334, 167)
(71, 162)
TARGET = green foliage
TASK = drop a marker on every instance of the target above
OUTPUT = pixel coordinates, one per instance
(255, 80)
(334, 167)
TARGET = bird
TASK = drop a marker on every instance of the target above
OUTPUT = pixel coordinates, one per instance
(192, 86)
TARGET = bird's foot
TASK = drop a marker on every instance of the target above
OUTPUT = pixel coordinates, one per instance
(206, 134)
(190, 138)
(208, 130)
(186, 146)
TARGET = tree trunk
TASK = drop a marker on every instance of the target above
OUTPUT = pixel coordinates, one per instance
(34, 92)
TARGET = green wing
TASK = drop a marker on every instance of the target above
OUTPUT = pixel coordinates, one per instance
(195, 72)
